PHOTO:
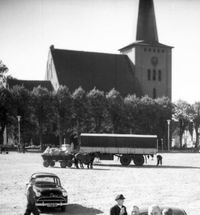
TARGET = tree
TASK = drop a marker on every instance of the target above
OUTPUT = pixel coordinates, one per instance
(131, 113)
(3, 71)
(22, 107)
(196, 120)
(42, 111)
(63, 112)
(6, 110)
(100, 121)
(81, 116)
(183, 113)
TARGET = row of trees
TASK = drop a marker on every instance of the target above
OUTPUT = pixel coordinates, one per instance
(59, 113)
(55, 115)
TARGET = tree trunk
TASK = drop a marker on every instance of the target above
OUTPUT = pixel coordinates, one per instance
(40, 137)
(181, 142)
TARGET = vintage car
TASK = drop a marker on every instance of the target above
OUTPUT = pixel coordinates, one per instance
(176, 211)
(48, 190)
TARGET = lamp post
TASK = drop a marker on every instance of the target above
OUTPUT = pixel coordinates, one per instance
(18, 119)
(168, 123)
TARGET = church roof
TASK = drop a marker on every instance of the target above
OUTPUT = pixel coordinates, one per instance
(29, 84)
(92, 69)
(146, 24)
(144, 43)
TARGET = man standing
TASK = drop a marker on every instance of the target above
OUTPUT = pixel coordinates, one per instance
(31, 207)
(159, 160)
(119, 208)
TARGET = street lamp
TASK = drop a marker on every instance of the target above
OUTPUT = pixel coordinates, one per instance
(18, 119)
(168, 123)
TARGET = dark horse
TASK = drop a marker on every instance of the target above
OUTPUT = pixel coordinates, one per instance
(84, 158)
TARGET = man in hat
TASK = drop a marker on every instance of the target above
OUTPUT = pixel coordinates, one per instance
(119, 208)
(31, 207)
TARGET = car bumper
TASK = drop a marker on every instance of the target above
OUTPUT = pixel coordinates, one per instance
(52, 205)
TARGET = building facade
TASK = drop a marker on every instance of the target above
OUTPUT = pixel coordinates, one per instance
(141, 68)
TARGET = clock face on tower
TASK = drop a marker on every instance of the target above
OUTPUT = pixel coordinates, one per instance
(154, 60)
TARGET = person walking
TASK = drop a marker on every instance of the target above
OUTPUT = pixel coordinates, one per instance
(31, 207)
(119, 208)
(159, 160)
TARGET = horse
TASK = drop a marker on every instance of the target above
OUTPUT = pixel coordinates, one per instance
(84, 158)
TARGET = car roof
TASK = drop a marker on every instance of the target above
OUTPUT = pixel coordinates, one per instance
(176, 211)
(43, 174)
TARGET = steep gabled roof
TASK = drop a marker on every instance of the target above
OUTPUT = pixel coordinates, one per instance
(29, 84)
(91, 69)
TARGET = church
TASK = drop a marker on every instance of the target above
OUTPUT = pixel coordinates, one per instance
(142, 67)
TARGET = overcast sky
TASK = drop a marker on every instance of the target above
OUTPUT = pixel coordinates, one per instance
(29, 27)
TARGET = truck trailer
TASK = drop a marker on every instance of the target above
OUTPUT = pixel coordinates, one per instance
(127, 147)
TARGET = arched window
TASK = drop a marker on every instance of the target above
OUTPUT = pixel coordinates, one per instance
(159, 75)
(154, 74)
(154, 93)
(149, 74)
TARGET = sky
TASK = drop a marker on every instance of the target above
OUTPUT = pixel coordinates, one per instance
(29, 27)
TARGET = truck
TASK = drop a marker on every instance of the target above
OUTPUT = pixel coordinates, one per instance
(127, 147)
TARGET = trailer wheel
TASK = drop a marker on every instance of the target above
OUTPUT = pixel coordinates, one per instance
(46, 163)
(52, 163)
(63, 164)
(125, 160)
(138, 160)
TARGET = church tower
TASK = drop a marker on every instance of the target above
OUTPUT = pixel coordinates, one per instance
(152, 60)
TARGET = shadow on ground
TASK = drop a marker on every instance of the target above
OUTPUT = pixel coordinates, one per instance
(149, 166)
(85, 168)
(74, 209)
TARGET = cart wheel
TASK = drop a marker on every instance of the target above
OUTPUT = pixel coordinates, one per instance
(69, 163)
(63, 164)
(52, 163)
(46, 163)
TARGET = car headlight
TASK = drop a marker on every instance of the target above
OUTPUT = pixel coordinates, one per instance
(64, 193)
(37, 193)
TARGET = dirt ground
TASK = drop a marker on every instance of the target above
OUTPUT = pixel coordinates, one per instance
(91, 192)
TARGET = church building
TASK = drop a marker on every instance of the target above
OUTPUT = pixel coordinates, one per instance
(142, 67)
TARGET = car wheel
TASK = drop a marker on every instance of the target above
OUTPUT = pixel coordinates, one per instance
(46, 163)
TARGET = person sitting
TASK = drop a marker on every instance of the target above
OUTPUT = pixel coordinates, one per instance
(135, 210)
(119, 209)
(154, 210)
(167, 211)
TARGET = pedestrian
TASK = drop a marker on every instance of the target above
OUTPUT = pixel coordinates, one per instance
(154, 210)
(135, 210)
(159, 160)
(167, 211)
(119, 208)
(31, 207)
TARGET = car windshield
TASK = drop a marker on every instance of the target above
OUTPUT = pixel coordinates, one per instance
(47, 181)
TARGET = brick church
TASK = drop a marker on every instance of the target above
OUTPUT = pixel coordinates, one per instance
(142, 67)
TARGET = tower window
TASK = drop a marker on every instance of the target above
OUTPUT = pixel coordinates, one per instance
(154, 74)
(149, 74)
(159, 75)
(154, 93)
